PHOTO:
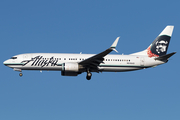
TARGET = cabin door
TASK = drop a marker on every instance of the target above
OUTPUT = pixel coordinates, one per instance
(142, 61)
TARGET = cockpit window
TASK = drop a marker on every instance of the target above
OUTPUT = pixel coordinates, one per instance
(13, 57)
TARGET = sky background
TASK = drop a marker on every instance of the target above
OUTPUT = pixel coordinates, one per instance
(88, 26)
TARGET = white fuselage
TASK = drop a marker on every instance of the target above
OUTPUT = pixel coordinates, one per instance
(54, 61)
(75, 64)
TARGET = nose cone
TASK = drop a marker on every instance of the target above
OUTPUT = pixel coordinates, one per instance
(6, 62)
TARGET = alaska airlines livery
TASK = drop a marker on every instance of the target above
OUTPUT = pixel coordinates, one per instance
(75, 64)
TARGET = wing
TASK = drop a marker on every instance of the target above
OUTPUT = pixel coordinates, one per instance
(94, 61)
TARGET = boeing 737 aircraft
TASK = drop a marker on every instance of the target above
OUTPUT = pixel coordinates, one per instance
(75, 64)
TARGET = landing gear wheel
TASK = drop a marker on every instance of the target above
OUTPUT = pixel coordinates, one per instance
(88, 77)
(20, 74)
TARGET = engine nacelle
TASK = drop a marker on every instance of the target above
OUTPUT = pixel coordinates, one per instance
(70, 69)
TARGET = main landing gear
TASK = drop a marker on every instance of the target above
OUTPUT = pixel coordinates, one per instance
(89, 74)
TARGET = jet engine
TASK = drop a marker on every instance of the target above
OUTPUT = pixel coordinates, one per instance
(70, 69)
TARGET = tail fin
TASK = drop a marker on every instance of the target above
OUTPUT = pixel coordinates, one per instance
(160, 45)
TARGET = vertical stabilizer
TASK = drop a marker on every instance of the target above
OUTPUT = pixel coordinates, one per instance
(160, 45)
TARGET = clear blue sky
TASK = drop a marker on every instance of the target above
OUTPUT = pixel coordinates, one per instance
(74, 26)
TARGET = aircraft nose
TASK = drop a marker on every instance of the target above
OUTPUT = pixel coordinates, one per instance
(5, 62)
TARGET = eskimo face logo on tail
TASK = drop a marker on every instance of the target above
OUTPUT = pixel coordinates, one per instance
(161, 46)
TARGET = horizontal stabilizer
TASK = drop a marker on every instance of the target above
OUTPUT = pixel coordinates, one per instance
(165, 57)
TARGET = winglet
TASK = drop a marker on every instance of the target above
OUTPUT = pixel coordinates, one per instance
(115, 43)
(113, 46)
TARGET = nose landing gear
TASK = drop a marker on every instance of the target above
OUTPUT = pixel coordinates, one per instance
(19, 70)
(20, 74)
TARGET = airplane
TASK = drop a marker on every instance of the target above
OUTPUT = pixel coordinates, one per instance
(75, 64)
